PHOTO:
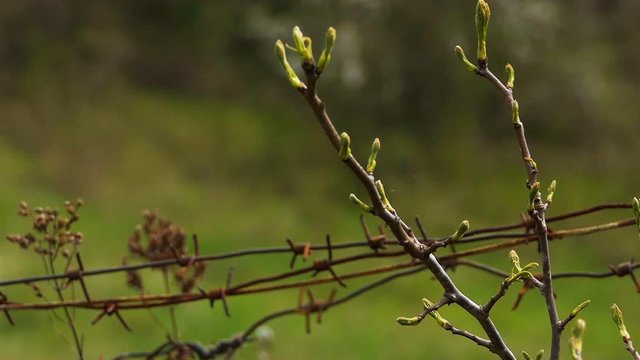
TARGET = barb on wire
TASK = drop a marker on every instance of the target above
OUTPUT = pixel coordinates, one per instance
(326, 264)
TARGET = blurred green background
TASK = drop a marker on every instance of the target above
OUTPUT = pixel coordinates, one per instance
(181, 106)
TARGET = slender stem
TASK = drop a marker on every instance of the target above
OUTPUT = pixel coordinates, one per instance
(172, 309)
(547, 290)
(632, 350)
(70, 321)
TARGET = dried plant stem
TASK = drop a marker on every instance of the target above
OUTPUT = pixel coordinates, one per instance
(69, 319)
(172, 309)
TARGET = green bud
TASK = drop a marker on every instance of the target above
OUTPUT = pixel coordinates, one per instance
(364, 207)
(383, 196)
(483, 13)
(404, 321)
(636, 212)
(616, 315)
(532, 163)
(575, 342)
(515, 262)
(345, 146)
(540, 354)
(534, 192)
(526, 356)
(551, 191)
(467, 63)
(462, 229)
(580, 307)
(442, 322)
(303, 45)
(298, 40)
(291, 74)
(325, 57)
(371, 164)
(426, 303)
(518, 272)
(511, 75)
(516, 113)
(530, 265)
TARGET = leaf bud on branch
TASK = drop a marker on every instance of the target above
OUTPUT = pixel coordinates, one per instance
(383, 196)
(511, 76)
(303, 46)
(462, 229)
(579, 308)
(516, 113)
(483, 13)
(442, 322)
(534, 192)
(551, 191)
(291, 74)
(325, 57)
(364, 207)
(471, 67)
(345, 146)
(575, 342)
(371, 164)
(616, 315)
(518, 272)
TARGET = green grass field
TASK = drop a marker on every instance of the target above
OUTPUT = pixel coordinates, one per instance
(242, 176)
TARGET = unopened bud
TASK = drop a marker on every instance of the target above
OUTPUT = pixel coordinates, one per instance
(383, 196)
(575, 342)
(291, 74)
(616, 315)
(511, 75)
(551, 192)
(471, 67)
(325, 57)
(371, 164)
(533, 194)
(515, 261)
(462, 229)
(516, 113)
(345, 146)
(303, 45)
(364, 207)
(580, 307)
(483, 13)
(404, 321)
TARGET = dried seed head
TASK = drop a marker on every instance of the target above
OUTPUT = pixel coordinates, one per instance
(23, 209)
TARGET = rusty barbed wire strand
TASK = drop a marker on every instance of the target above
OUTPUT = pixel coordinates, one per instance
(274, 250)
(149, 301)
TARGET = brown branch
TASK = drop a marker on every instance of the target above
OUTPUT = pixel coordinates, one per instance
(404, 234)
